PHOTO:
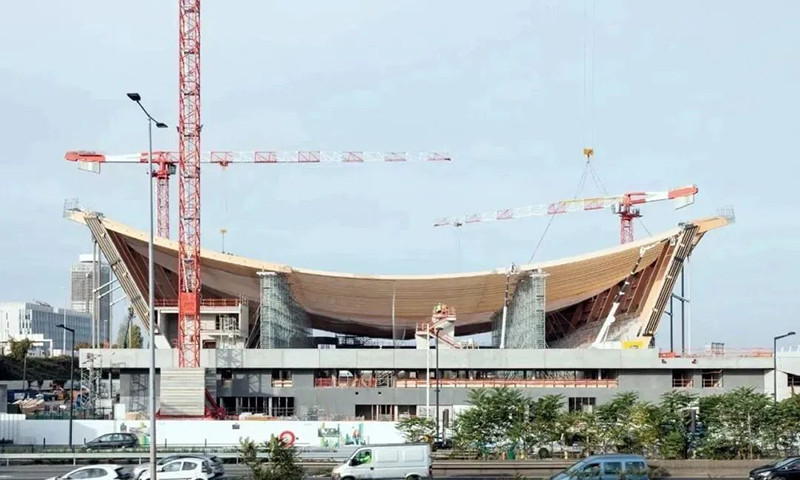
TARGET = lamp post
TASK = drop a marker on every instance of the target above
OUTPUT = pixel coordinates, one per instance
(135, 97)
(437, 382)
(71, 377)
(775, 364)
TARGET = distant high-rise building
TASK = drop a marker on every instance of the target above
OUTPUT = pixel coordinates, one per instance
(37, 321)
(82, 284)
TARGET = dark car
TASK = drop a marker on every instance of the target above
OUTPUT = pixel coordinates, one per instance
(113, 440)
(783, 469)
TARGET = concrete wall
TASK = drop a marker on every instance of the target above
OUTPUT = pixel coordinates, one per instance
(641, 371)
(415, 359)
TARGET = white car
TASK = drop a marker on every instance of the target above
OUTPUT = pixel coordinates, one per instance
(183, 469)
(215, 464)
(96, 472)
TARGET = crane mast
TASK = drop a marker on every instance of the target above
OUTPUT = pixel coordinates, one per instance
(189, 126)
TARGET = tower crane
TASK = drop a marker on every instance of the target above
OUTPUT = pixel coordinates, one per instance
(188, 160)
(166, 165)
(624, 205)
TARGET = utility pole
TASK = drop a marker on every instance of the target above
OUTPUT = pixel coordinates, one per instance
(437, 385)
(775, 364)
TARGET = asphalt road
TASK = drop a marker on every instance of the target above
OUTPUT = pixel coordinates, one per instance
(40, 472)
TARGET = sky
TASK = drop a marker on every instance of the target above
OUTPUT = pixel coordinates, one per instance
(668, 94)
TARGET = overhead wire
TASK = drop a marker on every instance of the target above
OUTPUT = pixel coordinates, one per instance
(588, 120)
(578, 190)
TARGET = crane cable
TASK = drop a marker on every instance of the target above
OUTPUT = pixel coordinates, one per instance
(588, 119)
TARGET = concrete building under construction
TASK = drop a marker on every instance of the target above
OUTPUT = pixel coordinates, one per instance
(582, 326)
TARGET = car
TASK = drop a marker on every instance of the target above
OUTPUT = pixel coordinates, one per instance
(783, 469)
(410, 461)
(607, 467)
(192, 468)
(96, 472)
(215, 463)
(113, 440)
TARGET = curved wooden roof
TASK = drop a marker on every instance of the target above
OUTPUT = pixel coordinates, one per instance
(362, 303)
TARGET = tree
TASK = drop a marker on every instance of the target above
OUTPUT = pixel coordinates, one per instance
(496, 420)
(784, 423)
(417, 429)
(579, 428)
(541, 426)
(735, 424)
(135, 336)
(282, 463)
(19, 348)
(675, 424)
(627, 425)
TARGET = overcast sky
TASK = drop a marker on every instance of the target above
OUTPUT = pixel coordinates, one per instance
(684, 92)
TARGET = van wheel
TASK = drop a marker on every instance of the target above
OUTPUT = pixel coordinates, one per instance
(412, 477)
(348, 478)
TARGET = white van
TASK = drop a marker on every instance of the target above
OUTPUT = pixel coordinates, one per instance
(410, 461)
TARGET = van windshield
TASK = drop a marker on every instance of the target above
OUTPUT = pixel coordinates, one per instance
(576, 467)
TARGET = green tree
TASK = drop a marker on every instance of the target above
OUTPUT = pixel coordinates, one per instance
(282, 463)
(735, 424)
(541, 425)
(626, 424)
(135, 337)
(579, 428)
(783, 423)
(674, 418)
(19, 348)
(417, 429)
(496, 420)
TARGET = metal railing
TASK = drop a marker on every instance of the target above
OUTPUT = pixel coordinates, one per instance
(711, 353)
(205, 302)
(682, 382)
(352, 382)
(498, 382)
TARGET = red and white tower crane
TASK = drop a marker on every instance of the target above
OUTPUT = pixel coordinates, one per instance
(624, 205)
(188, 159)
(166, 165)
(189, 129)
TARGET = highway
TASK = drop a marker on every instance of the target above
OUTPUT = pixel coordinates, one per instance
(40, 472)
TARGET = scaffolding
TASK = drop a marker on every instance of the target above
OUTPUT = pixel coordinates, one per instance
(526, 316)
(283, 323)
(91, 376)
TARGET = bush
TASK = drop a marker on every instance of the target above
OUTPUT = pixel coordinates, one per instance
(282, 463)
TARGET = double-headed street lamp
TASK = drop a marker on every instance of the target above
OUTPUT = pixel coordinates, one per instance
(150, 284)
(775, 364)
(71, 376)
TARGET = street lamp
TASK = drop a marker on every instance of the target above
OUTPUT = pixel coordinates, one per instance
(150, 284)
(775, 364)
(436, 347)
(71, 377)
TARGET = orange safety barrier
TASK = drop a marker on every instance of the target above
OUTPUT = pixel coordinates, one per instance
(728, 352)
(487, 383)
(346, 382)
(205, 302)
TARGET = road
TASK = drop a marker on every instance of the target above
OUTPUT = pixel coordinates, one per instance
(40, 472)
